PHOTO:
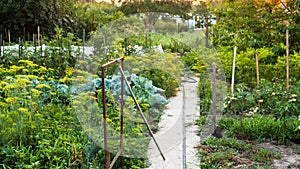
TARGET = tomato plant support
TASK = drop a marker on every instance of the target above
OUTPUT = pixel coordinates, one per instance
(214, 97)
(0, 43)
(8, 37)
(39, 35)
(109, 165)
(233, 72)
(287, 59)
(257, 79)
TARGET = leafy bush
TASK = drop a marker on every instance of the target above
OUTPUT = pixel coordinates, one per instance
(262, 128)
(164, 70)
(270, 65)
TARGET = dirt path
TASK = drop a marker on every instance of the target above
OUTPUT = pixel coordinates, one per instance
(178, 134)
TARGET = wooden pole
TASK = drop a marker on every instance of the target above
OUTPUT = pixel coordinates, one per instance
(38, 35)
(233, 72)
(3, 47)
(287, 60)
(8, 37)
(257, 79)
(83, 41)
(214, 97)
(106, 148)
(0, 43)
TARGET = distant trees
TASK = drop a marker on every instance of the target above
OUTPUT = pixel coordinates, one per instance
(153, 9)
(257, 24)
(22, 17)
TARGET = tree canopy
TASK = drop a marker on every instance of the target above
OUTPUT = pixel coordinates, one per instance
(256, 24)
(173, 7)
(22, 17)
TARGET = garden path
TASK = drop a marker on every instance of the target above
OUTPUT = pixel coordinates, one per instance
(178, 135)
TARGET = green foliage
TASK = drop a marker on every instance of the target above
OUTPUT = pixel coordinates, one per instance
(262, 155)
(164, 70)
(205, 93)
(270, 65)
(238, 24)
(275, 101)
(174, 7)
(262, 128)
(228, 153)
(39, 124)
(23, 17)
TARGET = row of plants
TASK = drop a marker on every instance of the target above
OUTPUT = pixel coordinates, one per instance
(229, 152)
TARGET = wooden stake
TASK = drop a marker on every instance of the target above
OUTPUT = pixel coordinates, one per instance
(214, 109)
(287, 60)
(233, 72)
(257, 79)
(83, 41)
(39, 35)
(0, 43)
(8, 37)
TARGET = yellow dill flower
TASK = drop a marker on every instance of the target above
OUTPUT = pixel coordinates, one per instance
(50, 78)
(40, 86)
(13, 69)
(69, 71)
(22, 81)
(9, 100)
(3, 83)
(28, 63)
(10, 86)
(25, 70)
(69, 108)
(50, 69)
(63, 80)
(36, 92)
(24, 110)
(2, 104)
(2, 70)
(32, 76)
(42, 69)
(108, 120)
